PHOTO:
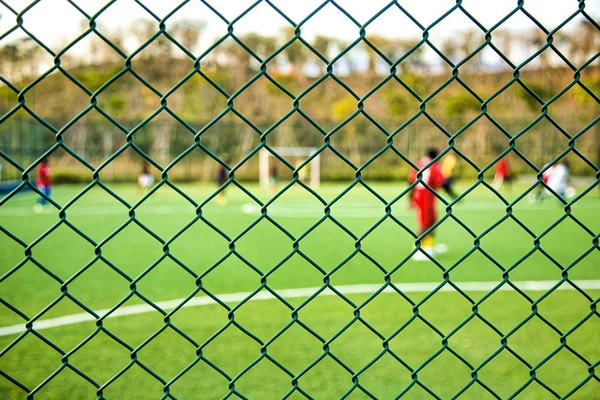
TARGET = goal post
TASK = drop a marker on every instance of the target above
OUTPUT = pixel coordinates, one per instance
(303, 152)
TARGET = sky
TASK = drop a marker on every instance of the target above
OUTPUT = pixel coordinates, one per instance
(58, 22)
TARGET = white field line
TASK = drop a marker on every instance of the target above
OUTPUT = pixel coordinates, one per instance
(292, 210)
(349, 211)
(105, 210)
(294, 293)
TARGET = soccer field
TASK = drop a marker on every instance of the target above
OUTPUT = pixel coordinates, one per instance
(359, 323)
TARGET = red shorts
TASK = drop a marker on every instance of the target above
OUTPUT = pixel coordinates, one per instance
(426, 215)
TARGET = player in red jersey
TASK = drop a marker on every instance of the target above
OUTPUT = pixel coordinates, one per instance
(540, 191)
(502, 174)
(44, 184)
(424, 201)
(547, 173)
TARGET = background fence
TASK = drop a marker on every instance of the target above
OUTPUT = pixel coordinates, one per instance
(25, 140)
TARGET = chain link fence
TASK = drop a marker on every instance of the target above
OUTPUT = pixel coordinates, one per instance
(97, 151)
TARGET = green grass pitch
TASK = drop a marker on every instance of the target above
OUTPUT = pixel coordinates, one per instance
(262, 330)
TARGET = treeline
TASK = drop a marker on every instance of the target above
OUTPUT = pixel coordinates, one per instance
(22, 57)
(163, 63)
(202, 96)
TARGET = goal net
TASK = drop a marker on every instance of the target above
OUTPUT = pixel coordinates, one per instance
(300, 154)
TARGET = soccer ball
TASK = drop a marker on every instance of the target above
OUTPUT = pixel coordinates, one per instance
(570, 192)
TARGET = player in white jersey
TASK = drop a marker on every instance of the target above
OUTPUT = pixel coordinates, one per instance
(557, 179)
(145, 179)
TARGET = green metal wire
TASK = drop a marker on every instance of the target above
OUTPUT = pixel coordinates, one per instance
(263, 72)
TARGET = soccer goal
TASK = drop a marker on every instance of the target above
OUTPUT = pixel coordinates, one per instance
(301, 153)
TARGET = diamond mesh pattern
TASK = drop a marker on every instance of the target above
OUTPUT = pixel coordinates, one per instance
(296, 250)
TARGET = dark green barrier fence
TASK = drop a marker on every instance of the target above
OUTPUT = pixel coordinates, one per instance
(394, 140)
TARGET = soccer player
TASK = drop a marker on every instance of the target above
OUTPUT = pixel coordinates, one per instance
(44, 184)
(558, 179)
(273, 180)
(448, 167)
(540, 191)
(502, 174)
(423, 200)
(220, 180)
(302, 171)
(145, 179)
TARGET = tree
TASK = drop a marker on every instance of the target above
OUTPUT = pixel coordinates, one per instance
(340, 110)
(537, 40)
(398, 102)
(321, 44)
(144, 29)
(589, 39)
(100, 52)
(505, 42)
(394, 49)
(348, 58)
(240, 67)
(543, 91)
(415, 60)
(269, 45)
(118, 39)
(10, 60)
(30, 55)
(383, 45)
(450, 50)
(16, 55)
(296, 52)
(188, 32)
(460, 107)
(467, 44)
(263, 46)
(253, 41)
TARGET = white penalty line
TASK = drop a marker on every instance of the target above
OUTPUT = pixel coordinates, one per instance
(295, 293)
(357, 211)
(292, 210)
